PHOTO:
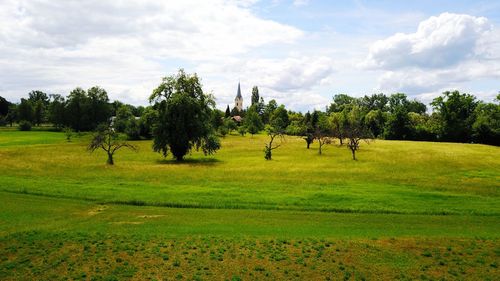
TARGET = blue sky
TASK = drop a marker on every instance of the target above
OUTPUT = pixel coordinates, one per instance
(298, 52)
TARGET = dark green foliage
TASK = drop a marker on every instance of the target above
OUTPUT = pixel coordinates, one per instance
(57, 112)
(122, 118)
(147, 121)
(398, 125)
(341, 102)
(132, 129)
(25, 110)
(24, 125)
(229, 125)
(457, 114)
(12, 115)
(252, 120)
(228, 112)
(486, 127)
(255, 95)
(4, 106)
(76, 108)
(242, 130)
(99, 110)
(184, 113)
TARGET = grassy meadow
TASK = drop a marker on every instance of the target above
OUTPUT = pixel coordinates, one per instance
(404, 210)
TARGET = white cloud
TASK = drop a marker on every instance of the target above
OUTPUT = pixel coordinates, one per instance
(124, 46)
(445, 52)
(439, 41)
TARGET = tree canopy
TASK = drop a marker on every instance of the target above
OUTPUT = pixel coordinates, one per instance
(183, 117)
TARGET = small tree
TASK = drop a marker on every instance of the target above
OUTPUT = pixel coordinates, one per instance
(252, 121)
(356, 130)
(242, 130)
(273, 133)
(322, 132)
(108, 140)
(275, 129)
(69, 133)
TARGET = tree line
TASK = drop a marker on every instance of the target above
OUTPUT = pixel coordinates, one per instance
(181, 117)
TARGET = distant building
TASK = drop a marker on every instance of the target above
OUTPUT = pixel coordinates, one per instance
(238, 101)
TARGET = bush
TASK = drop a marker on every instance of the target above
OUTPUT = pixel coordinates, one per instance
(24, 126)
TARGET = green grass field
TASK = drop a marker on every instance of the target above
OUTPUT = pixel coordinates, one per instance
(404, 210)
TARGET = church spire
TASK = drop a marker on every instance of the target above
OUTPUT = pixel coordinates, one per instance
(238, 101)
(238, 95)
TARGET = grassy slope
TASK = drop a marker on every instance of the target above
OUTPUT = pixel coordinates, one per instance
(44, 237)
(390, 177)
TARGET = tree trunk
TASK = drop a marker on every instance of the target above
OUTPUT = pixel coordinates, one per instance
(353, 154)
(308, 144)
(320, 145)
(110, 159)
(341, 142)
(179, 158)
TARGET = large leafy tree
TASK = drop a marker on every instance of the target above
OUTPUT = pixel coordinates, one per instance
(76, 106)
(98, 106)
(183, 117)
(25, 111)
(457, 114)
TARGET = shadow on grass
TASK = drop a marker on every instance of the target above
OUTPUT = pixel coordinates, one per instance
(190, 161)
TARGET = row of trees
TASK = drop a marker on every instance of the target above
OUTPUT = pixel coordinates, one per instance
(182, 117)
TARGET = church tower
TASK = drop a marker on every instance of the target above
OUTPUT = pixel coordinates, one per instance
(238, 101)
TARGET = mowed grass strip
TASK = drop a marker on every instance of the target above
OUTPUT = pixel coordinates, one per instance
(390, 176)
(59, 239)
(21, 213)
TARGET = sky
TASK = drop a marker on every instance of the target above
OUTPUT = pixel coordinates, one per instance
(299, 52)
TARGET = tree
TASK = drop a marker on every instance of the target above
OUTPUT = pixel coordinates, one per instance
(146, 124)
(273, 133)
(228, 112)
(4, 106)
(57, 112)
(457, 114)
(252, 121)
(322, 132)
(310, 121)
(99, 110)
(375, 120)
(268, 111)
(275, 129)
(255, 95)
(40, 103)
(341, 102)
(12, 115)
(486, 127)
(356, 130)
(25, 111)
(242, 130)
(398, 126)
(108, 140)
(183, 117)
(230, 125)
(122, 118)
(338, 122)
(76, 106)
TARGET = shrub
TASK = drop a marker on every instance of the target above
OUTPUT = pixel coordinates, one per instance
(24, 126)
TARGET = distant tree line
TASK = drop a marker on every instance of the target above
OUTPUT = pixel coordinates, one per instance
(181, 117)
